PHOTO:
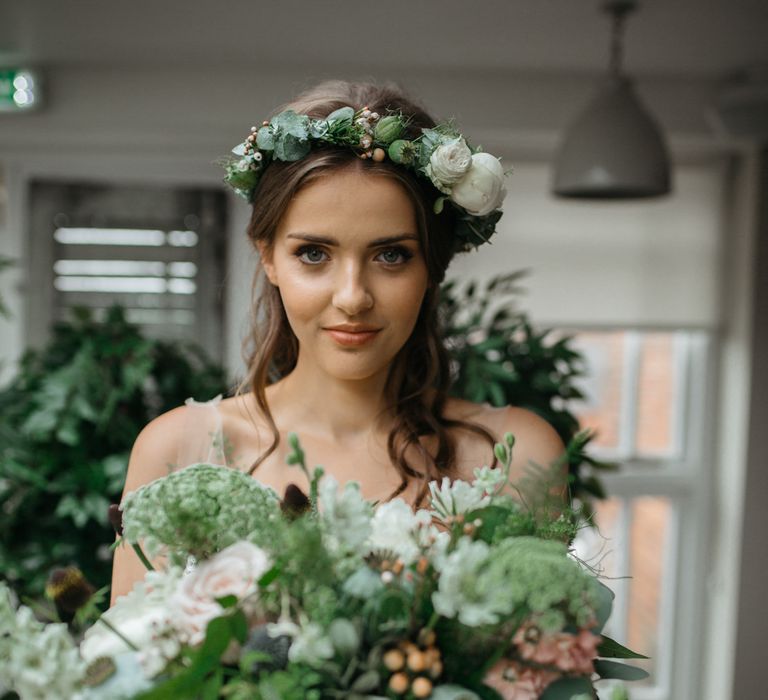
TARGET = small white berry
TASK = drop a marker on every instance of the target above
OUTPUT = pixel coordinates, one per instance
(387, 576)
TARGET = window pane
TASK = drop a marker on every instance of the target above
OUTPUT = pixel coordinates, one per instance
(602, 385)
(603, 549)
(158, 251)
(628, 549)
(650, 527)
(657, 396)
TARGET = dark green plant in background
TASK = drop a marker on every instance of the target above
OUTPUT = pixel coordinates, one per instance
(498, 356)
(67, 423)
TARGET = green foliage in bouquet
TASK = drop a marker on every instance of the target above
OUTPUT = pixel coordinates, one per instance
(67, 422)
(325, 596)
(500, 357)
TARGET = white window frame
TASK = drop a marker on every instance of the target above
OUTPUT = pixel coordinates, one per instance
(684, 478)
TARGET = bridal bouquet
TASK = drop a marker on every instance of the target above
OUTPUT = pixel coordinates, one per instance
(327, 595)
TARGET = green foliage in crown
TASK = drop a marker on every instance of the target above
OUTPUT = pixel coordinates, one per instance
(469, 179)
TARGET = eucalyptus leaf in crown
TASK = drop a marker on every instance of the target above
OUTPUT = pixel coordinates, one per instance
(469, 179)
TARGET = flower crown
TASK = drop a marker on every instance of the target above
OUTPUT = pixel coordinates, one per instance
(469, 179)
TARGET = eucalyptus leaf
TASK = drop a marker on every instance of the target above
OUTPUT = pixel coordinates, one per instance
(289, 147)
(342, 115)
(366, 682)
(265, 138)
(606, 668)
(318, 128)
(567, 688)
(611, 648)
(450, 691)
(344, 637)
(604, 605)
(289, 122)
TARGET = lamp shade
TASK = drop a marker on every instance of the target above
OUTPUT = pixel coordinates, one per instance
(613, 149)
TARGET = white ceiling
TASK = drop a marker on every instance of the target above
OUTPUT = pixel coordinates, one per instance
(696, 38)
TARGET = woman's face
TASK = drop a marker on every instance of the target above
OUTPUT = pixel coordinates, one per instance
(349, 267)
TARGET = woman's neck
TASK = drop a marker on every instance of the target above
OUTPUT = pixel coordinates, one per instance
(341, 411)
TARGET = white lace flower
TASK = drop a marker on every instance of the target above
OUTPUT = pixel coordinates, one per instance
(488, 479)
(345, 515)
(453, 498)
(198, 510)
(37, 661)
(397, 528)
(461, 592)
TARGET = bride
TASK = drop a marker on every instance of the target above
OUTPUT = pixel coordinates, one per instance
(345, 348)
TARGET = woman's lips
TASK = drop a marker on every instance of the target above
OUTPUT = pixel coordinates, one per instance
(352, 338)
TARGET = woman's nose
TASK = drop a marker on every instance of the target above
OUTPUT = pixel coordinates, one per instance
(351, 294)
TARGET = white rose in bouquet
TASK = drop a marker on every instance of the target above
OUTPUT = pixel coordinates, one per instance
(138, 623)
(481, 189)
(235, 570)
(141, 617)
(448, 163)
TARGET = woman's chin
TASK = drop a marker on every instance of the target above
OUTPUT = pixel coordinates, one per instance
(354, 367)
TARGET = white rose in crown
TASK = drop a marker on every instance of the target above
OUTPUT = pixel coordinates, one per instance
(235, 570)
(448, 163)
(481, 189)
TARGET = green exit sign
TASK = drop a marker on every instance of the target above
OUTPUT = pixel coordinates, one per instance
(19, 90)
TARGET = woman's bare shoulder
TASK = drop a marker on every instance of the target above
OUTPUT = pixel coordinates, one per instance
(155, 448)
(535, 439)
(242, 419)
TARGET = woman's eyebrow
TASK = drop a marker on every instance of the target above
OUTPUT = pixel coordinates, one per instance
(325, 240)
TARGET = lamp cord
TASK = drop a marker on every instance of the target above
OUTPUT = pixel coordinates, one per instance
(618, 10)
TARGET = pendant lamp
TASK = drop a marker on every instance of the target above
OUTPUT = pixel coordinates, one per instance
(614, 149)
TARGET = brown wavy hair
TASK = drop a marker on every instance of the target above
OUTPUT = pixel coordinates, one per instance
(419, 377)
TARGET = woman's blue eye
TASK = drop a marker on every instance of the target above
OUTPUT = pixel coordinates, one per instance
(395, 256)
(310, 254)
